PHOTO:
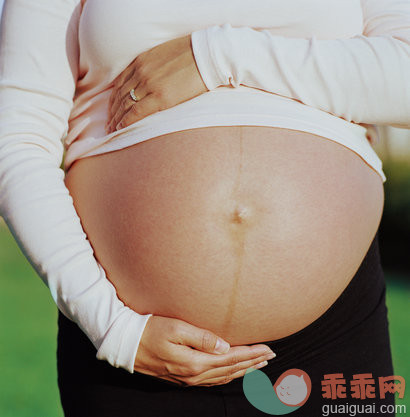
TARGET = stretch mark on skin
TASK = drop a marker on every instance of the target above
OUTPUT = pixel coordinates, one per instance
(237, 226)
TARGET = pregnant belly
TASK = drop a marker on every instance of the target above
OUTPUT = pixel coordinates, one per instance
(251, 232)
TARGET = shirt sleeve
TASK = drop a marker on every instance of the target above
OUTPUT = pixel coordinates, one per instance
(363, 79)
(38, 74)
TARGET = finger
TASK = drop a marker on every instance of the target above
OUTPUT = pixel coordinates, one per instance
(121, 106)
(188, 362)
(225, 373)
(206, 341)
(201, 339)
(138, 110)
(132, 83)
(125, 76)
(124, 106)
(213, 376)
(123, 93)
(115, 101)
(233, 369)
(235, 355)
(228, 378)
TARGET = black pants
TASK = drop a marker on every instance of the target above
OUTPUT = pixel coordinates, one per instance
(350, 338)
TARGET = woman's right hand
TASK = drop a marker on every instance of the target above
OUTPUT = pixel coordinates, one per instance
(179, 352)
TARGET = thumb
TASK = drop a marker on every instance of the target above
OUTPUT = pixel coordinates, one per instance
(204, 340)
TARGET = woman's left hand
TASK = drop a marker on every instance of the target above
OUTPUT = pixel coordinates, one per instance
(162, 77)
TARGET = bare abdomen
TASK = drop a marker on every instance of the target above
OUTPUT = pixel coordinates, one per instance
(251, 232)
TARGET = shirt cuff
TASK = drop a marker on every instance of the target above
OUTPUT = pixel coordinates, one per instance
(204, 59)
(124, 339)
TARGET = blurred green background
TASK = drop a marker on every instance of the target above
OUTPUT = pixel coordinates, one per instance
(28, 316)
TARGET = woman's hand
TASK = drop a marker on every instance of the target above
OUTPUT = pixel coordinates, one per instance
(177, 351)
(162, 77)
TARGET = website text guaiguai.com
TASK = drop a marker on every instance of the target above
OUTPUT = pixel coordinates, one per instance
(360, 409)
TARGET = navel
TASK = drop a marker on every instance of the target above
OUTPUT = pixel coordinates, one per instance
(240, 215)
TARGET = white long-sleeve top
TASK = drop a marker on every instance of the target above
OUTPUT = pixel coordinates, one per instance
(330, 67)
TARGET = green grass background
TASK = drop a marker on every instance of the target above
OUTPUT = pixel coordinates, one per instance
(28, 329)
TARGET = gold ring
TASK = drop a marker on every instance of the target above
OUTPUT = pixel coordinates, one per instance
(133, 96)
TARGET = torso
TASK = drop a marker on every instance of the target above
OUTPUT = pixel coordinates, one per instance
(251, 232)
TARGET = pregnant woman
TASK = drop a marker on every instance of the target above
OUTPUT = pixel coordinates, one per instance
(220, 198)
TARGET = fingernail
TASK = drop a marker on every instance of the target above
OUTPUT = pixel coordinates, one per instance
(263, 350)
(119, 126)
(271, 355)
(260, 365)
(221, 346)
